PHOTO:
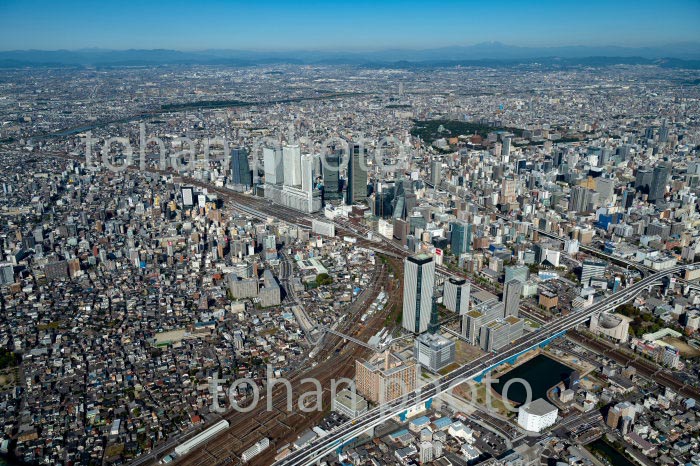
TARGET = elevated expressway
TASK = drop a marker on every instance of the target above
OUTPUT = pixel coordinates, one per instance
(477, 369)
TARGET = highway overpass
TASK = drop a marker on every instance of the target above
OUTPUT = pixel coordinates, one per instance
(476, 369)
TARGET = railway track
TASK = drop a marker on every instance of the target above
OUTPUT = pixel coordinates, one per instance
(645, 368)
(335, 361)
(278, 424)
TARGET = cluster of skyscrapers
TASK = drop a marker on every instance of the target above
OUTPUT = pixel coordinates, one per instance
(290, 178)
(491, 324)
(420, 313)
(306, 181)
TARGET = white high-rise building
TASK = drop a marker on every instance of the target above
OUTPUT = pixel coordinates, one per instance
(291, 155)
(505, 148)
(435, 172)
(418, 284)
(274, 166)
(456, 296)
(307, 173)
(287, 184)
(511, 297)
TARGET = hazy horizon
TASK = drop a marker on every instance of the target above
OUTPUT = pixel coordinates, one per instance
(357, 49)
(361, 26)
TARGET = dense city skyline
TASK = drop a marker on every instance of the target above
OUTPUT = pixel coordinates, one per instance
(254, 234)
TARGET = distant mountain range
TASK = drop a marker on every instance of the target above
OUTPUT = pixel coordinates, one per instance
(488, 53)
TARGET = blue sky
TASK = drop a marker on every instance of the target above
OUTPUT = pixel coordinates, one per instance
(357, 25)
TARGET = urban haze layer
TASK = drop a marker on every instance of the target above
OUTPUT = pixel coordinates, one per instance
(367, 265)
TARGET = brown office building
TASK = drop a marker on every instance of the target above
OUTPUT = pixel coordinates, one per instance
(385, 377)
